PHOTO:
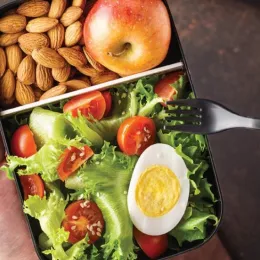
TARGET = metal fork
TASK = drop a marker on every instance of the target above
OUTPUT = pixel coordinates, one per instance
(202, 116)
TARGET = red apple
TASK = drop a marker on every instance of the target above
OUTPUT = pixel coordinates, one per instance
(128, 36)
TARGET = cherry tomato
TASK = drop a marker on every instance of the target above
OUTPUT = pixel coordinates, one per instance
(22, 143)
(32, 185)
(72, 159)
(83, 217)
(153, 246)
(164, 88)
(108, 98)
(92, 103)
(136, 134)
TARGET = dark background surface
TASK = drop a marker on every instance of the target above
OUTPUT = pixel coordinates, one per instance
(221, 42)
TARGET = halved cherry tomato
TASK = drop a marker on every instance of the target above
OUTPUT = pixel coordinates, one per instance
(32, 185)
(108, 98)
(72, 159)
(164, 88)
(89, 104)
(22, 143)
(153, 246)
(136, 134)
(83, 217)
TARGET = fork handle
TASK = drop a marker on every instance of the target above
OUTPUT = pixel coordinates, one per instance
(246, 122)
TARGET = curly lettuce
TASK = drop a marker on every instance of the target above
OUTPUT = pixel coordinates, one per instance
(192, 148)
(45, 162)
(106, 178)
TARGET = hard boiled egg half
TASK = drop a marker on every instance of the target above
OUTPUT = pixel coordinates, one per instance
(159, 190)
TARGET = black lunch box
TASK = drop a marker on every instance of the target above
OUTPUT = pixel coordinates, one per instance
(175, 55)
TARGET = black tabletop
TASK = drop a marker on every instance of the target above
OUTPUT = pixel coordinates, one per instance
(221, 42)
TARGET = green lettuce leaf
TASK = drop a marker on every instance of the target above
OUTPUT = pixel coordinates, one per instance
(44, 162)
(106, 177)
(128, 100)
(192, 148)
(50, 213)
(193, 226)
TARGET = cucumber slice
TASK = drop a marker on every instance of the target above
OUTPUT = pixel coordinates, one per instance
(46, 125)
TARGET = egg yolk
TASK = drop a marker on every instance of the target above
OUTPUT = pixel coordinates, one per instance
(157, 191)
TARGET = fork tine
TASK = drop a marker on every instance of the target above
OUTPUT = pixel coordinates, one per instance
(184, 118)
(188, 128)
(185, 102)
(179, 111)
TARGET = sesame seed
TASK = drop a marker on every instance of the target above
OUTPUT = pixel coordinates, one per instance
(98, 229)
(145, 139)
(82, 205)
(73, 227)
(94, 225)
(93, 233)
(82, 154)
(149, 136)
(125, 192)
(73, 157)
(74, 217)
(98, 234)
(138, 132)
(119, 102)
(88, 227)
(69, 148)
(162, 209)
(99, 224)
(139, 146)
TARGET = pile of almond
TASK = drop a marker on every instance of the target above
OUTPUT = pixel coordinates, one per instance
(42, 52)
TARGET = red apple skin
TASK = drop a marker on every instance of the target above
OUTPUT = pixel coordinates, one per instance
(112, 24)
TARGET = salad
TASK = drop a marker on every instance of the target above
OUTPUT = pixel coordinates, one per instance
(78, 163)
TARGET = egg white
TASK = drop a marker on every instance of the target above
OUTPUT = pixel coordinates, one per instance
(165, 155)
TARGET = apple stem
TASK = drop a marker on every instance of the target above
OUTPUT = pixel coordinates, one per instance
(126, 47)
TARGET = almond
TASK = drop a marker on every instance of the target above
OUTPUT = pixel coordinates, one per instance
(44, 79)
(61, 75)
(37, 93)
(77, 47)
(7, 86)
(56, 36)
(79, 3)
(13, 23)
(14, 57)
(24, 94)
(34, 8)
(26, 71)
(73, 57)
(84, 78)
(71, 15)
(3, 62)
(57, 8)
(41, 24)
(53, 92)
(87, 70)
(49, 58)
(73, 34)
(30, 41)
(96, 65)
(8, 39)
(103, 77)
(76, 84)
